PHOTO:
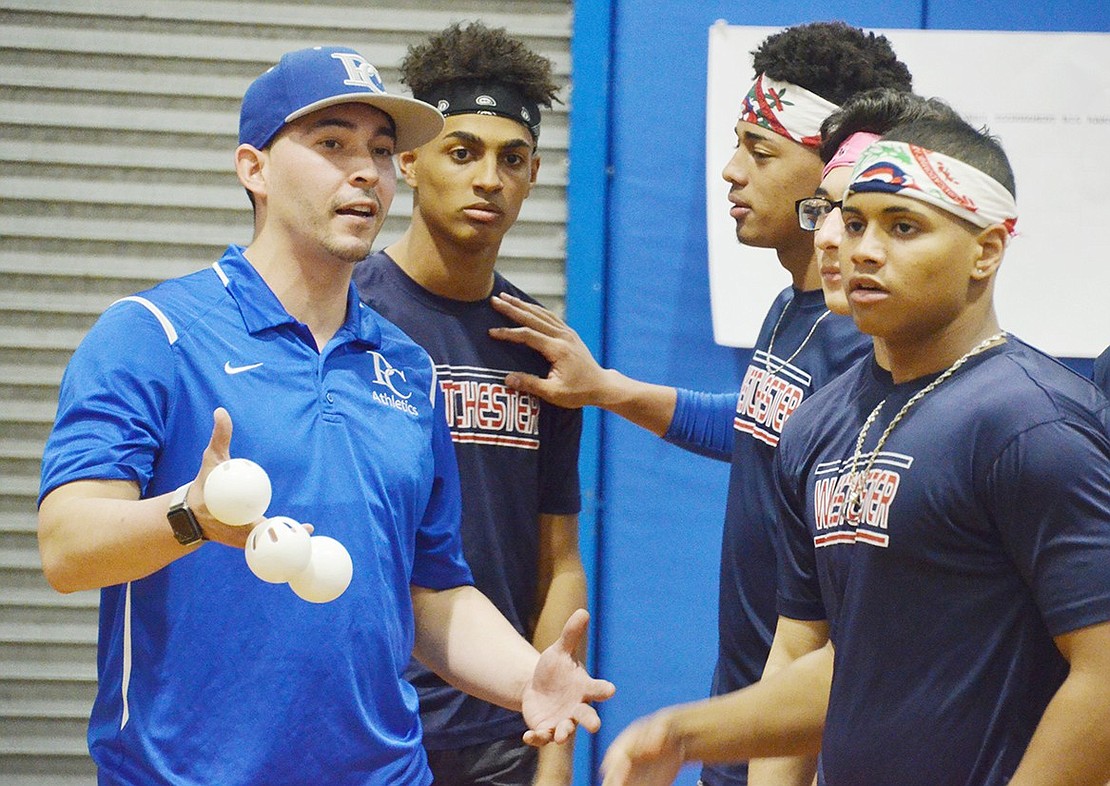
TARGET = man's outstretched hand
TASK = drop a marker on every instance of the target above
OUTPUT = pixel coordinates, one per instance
(556, 699)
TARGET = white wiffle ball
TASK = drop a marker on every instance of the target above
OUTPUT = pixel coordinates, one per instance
(278, 549)
(237, 491)
(328, 573)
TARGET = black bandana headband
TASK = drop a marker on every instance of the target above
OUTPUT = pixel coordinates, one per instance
(476, 98)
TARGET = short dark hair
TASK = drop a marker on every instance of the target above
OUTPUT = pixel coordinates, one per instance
(832, 59)
(876, 112)
(955, 137)
(479, 54)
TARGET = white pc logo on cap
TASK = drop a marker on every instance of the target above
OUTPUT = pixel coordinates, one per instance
(359, 72)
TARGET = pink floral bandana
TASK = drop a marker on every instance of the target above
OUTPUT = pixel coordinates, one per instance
(849, 152)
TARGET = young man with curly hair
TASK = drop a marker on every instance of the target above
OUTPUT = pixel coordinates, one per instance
(802, 74)
(518, 456)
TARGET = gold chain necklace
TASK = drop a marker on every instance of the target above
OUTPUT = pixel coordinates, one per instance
(853, 509)
(774, 332)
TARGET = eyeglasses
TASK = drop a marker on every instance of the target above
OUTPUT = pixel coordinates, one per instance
(812, 211)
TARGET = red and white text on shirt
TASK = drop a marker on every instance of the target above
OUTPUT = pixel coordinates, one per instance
(830, 499)
(490, 412)
(766, 401)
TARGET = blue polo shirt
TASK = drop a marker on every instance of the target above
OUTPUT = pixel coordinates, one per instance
(207, 674)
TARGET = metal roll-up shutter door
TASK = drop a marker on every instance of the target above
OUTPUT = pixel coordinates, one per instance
(117, 125)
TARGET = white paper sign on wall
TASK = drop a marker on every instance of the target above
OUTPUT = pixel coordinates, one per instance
(1045, 95)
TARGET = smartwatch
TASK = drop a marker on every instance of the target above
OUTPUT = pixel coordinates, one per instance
(186, 528)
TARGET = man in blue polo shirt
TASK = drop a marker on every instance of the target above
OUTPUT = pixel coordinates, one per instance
(206, 674)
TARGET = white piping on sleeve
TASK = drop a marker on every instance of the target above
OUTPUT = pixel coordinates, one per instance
(126, 682)
(171, 332)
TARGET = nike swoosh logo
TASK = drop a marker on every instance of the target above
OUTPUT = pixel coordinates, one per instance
(230, 369)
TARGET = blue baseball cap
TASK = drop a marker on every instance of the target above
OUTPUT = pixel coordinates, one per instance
(311, 79)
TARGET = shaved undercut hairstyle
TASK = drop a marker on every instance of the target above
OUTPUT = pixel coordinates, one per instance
(877, 112)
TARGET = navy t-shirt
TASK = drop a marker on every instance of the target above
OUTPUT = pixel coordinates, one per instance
(985, 533)
(518, 458)
(1101, 372)
(801, 363)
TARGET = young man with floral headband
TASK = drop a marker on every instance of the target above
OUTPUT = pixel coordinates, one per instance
(518, 456)
(845, 134)
(945, 518)
(802, 74)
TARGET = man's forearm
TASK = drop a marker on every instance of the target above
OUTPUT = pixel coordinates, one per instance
(783, 715)
(95, 534)
(562, 591)
(1072, 742)
(1074, 724)
(647, 405)
(782, 771)
(794, 639)
(462, 637)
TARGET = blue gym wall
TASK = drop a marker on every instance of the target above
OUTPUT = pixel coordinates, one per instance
(638, 293)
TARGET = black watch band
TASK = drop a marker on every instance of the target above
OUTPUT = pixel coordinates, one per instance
(186, 528)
